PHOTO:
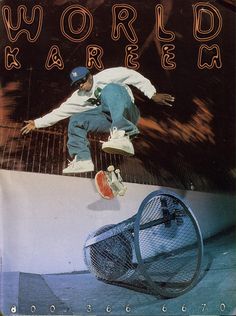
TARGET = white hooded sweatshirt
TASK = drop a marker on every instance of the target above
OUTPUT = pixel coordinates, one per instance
(78, 101)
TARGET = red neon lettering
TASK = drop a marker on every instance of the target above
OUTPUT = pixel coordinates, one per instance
(14, 32)
(131, 57)
(200, 10)
(76, 23)
(167, 57)
(94, 55)
(162, 34)
(11, 59)
(54, 58)
(123, 17)
(215, 57)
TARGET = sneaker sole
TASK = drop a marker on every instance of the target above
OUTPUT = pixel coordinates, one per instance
(117, 151)
(81, 171)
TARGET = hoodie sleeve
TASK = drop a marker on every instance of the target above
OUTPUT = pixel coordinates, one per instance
(131, 77)
(74, 104)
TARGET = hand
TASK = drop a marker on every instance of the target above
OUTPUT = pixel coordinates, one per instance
(30, 126)
(163, 98)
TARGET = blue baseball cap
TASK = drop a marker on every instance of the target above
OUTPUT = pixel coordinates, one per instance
(78, 73)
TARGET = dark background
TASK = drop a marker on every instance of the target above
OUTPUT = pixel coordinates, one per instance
(191, 145)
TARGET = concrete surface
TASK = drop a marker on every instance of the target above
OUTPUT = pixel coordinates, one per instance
(82, 294)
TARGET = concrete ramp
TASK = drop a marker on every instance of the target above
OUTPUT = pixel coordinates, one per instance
(9, 291)
(28, 294)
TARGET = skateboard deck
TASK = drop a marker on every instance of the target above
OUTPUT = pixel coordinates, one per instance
(103, 186)
(109, 183)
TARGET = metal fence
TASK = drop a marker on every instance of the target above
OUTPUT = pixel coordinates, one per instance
(45, 151)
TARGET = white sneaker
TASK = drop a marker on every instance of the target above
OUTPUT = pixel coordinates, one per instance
(118, 143)
(79, 166)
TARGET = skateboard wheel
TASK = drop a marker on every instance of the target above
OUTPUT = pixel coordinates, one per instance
(110, 168)
(122, 192)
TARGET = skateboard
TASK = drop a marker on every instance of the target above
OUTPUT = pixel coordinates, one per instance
(110, 183)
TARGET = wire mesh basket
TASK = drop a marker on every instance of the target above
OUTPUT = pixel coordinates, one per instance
(158, 251)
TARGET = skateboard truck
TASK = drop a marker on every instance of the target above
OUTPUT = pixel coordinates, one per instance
(115, 181)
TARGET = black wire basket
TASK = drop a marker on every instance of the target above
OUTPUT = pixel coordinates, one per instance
(157, 251)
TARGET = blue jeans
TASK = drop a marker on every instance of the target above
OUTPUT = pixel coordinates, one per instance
(116, 110)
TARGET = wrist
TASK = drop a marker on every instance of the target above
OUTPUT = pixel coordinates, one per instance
(154, 95)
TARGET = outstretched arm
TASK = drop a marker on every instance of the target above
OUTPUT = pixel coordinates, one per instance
(134, 78)
(163, 99)
(30, 126)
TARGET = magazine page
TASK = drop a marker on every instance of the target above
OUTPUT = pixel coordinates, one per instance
(117, 157)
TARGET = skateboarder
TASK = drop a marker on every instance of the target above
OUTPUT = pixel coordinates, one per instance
(101, 103)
